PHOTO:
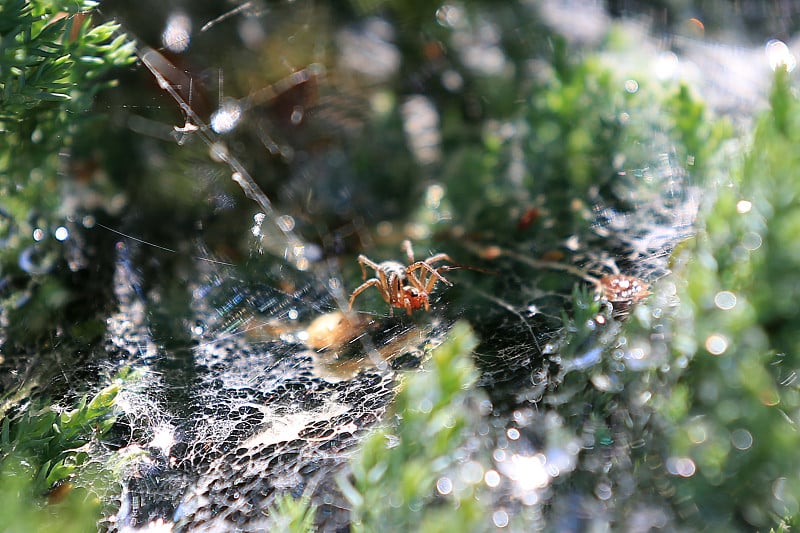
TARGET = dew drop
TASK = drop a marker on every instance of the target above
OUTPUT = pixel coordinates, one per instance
(500, 518)
(34, 263)
(666, 65)
(603, 491)
(716, 344)
(297, 115)
(226, 117)
(779, 55)
(450, 16)
(741, 439)
(491, 478)
(751, 241)
(725, 300)
(177, 33)
(285, 222)
(743, 206)
(61, 233)
(472, 472)
(444, 486)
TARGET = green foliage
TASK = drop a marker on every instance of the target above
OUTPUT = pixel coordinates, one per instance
(53, 61)
(292, 515)
(740, 426)
(52, 55)
(45, 448)
(700, 138)
(76, 512)
(395, 472)
(579, 327)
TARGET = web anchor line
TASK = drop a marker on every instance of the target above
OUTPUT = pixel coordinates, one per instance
(177, 82)
(173, 81)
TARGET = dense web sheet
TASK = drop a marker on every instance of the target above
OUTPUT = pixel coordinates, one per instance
(258, 382)
(256, 418)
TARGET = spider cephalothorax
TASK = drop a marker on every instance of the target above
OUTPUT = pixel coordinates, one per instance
(403, 286)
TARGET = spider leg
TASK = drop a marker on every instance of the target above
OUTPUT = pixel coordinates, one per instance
(386, 288)
(364, 286)
(364, 260)
(422, 290)
(439, 257)
(432, 281)
(407, 305)
(416, 282)
(406, 246)
(433, 272)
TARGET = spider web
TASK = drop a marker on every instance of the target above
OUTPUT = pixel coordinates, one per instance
(255, 382)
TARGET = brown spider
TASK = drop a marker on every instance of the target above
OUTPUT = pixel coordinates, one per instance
(622, 292)
(401, 286)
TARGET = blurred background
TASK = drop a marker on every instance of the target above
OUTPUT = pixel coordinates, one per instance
(188, 188)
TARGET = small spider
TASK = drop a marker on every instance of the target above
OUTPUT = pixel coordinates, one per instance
(404, 287)
(622, 292)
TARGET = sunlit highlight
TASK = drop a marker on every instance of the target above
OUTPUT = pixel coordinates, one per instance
(681, 466)
(725, 300)
(716, 344)
(421, 124)
(666, 66)
(163, 439)
(527, 471)
(743, 206)
(226, 117)
(177, 33)
(61, 233)
(779, 55)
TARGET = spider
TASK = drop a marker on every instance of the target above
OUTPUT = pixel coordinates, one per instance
(622, 292)
(401, 286)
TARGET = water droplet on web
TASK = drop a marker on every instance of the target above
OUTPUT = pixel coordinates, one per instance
(297, 115)
(444, 486)
(491, 478)
(725, 300)
(681, 466)
(285, 223)
(451, 16)
(666, 65)
(716, 344)
(227, 117)
(500, 518)
(573, 243)
(32, 261)
(751, 241)
(603, 491)
(258, 219)
(779, 55)
(177, 32)
(743, 206)
(199, 327)
(61, 233)
(741, 439)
